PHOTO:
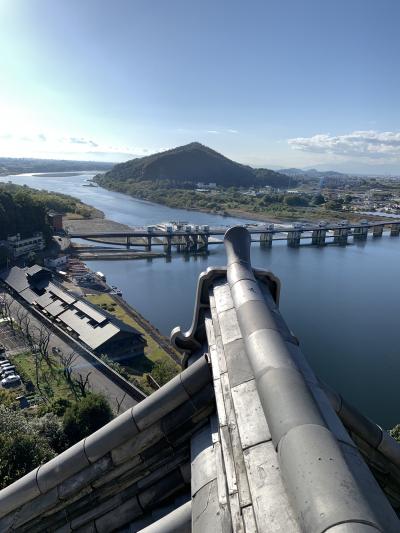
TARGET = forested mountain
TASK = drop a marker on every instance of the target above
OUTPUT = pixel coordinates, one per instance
(23, 210)
(189, 164)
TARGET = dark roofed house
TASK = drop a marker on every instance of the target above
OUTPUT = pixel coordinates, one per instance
(246, 439)
(98, 330)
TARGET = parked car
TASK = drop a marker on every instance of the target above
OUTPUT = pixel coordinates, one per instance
(5, 369)
(7, 373)
(11, 380)
(2, 348)
(56, 350)
(5, 362)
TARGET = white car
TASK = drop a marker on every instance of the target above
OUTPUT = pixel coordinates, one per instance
(11, 380)
(5, 363)
(7, 373)
(7, 369)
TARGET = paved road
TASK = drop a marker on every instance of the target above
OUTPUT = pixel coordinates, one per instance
(97, 380)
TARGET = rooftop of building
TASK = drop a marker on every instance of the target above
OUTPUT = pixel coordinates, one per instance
(93, 326)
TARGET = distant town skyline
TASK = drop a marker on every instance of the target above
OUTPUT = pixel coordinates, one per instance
(269, 84)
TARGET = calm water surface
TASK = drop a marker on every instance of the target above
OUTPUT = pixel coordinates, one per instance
(342, 303)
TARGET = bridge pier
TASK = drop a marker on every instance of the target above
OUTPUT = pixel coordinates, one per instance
(187, 243)
(340, 236)
(128, 242)
(378, 231)
(168, 244)
(193, 238)
(394, 230)
(148, 247)
(318, 237)
(293, 238)
(266, 238)
(360, 233)
(202, 242)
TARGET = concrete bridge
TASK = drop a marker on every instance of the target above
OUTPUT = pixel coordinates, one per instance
(194, 238)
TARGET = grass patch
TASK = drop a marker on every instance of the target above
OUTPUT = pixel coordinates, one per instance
(52, 381)
(155, 361)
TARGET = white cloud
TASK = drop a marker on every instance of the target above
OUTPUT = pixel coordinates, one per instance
(50, 145)
(82, 140)
(220, 131)
(361, 144)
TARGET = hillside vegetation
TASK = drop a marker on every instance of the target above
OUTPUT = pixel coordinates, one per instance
(183, 166)
(23, 210)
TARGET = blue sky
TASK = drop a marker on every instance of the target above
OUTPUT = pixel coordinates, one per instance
(269, 83)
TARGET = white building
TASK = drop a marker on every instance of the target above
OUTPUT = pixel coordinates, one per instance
(23, 246)
(55, 262)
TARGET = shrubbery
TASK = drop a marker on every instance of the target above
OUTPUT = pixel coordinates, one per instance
(22, 446)
(86, 416)
(27, 441)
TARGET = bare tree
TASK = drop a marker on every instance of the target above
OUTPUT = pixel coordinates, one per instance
(3, 308)
(119, 403)
(6, 305)
(82, 382)
(26, 330)
(67, 361)
(41, 337)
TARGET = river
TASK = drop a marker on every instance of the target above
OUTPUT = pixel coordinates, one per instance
(343, 303)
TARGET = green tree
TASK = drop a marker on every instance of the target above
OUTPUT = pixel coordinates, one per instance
(51, 429)
(334, 205)
(395, 432)
(296, 200)
(318, 199)
(22, 448)
(7, 398)
(85, 416)
(163, 371)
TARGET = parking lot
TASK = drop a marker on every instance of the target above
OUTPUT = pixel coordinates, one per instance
(13, 342)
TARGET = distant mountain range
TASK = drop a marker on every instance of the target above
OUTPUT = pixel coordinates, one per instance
(192, 162)
(11, 165)
(311, 173)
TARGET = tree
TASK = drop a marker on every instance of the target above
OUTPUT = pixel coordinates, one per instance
(119, 402)
(318, 199)
(51, 429)
(395, 432)
(6, 303)
(42, 336)
(67, 361)
(295, 200)
(163, 371)
(82, 383)
(86, 416)
(22, 448)
(7, 398)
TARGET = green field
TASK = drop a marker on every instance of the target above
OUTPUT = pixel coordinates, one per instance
(52, 382)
